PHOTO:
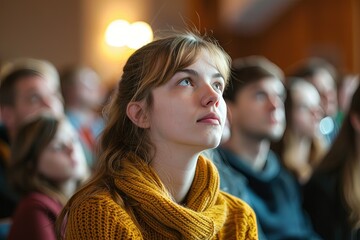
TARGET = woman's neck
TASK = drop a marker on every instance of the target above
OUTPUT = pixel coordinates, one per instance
(300, 147)
(176, 169)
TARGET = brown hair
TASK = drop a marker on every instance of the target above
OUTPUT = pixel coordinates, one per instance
(249, 70)
(317, 148)
(307, 68)
(149, 67)
(17, 69)
(343, 156)
(7, 88)
(33, 137)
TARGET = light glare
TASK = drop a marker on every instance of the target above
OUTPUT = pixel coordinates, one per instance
(140, 34)
(121, 33)
(117, 33)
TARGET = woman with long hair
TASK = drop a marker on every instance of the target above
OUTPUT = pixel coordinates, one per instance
(47, 166)
(151, 181)
(332, 197)
(302, 146)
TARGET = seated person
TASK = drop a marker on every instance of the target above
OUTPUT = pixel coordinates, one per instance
(248, 168)
(332, 196)
(83, 94)
(152, 181)
(27, 86)
(47, 166)
(302, 146)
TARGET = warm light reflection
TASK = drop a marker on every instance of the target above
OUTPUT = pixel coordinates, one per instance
(140, 34)
(121, 33)
(117, 33)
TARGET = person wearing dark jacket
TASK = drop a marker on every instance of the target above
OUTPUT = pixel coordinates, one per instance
(332, 196)
(248, 168)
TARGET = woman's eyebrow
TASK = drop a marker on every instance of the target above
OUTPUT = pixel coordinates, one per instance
(195, 73)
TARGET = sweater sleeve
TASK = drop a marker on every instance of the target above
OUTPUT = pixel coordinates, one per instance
(241, 223)
(100, 218)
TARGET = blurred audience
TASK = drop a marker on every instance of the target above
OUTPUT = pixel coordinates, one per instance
(47, 165)
(248, 168)
(27, 87)
(347, 85)
(323, 76)
(84, 96)
(332, 196)
(302, 145)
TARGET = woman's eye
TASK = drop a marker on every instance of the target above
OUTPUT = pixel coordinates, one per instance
(185, 82)
(34, 98)
(57, 147)
(260, 95)
(219, 86)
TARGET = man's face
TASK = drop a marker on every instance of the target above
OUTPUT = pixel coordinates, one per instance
(258, 110)
(34, 94)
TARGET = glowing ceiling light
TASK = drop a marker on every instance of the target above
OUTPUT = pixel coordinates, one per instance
(117, 33)
(140, 34)
(121, 33)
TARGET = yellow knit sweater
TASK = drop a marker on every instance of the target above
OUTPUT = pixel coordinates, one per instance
(207, 213)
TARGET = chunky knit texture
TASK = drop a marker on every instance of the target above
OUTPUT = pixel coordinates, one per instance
(206, 213)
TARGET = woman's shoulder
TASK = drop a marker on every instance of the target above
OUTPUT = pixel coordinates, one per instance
(241, 214)
(37, 200)
(236, 204)
(34, 217)
(99, 216)
(96, 203)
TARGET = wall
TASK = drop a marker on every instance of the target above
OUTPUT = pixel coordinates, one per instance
(325, 28)
(71, 32)
(41, 29)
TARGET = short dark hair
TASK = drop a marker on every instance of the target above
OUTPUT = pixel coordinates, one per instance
(249, 70)
(7, 86)
(309, 67)
(12, 71)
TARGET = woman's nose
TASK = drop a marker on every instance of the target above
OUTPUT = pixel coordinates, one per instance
(69, 148)
(317, 113)
(210, 97)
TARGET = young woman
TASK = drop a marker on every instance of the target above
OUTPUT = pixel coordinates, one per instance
(302, 146)
(332, 196)
(47, 165)
(152, 181)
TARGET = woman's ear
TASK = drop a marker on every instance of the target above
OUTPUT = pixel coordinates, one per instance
(137, 114)
(355, 121)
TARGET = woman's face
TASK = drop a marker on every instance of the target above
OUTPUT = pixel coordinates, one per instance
(189, 110)
(63, 159)
(306, 112)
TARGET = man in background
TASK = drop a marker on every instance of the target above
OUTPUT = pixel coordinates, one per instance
(27, 86)
(248, 168)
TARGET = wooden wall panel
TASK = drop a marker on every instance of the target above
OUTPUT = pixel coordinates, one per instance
(325, 28)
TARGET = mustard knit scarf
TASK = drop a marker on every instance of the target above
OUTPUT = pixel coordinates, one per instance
(202, 216)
